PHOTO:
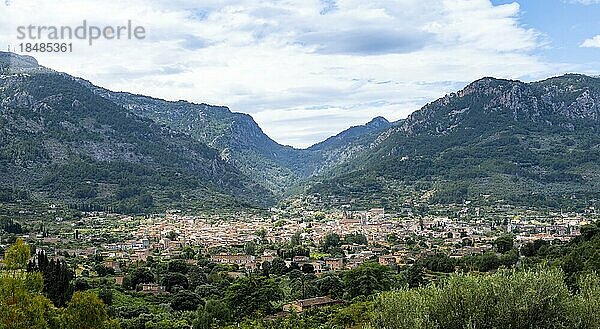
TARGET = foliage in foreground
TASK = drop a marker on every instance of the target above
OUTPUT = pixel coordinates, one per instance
(507, 299)
(23, 304)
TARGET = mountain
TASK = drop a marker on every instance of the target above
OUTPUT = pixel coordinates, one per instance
(242, 143)
(528, 143)
(496, 140)
(61, 141)
(346, 145)
(352, 134)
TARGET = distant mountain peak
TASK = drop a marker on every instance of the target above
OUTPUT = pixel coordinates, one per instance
(353, 134)
(378, 121)
(565, 101)
(569, 78)
(489, 84)
(12, 60)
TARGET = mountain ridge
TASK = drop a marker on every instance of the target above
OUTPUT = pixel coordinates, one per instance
(242, 142)
(68, 143)
(497, 137)
(505, 138)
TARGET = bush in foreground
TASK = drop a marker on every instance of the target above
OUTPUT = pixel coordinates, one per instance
(507, 299)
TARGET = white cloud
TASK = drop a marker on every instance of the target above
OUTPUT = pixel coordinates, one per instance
(303, 69)
(592, 42)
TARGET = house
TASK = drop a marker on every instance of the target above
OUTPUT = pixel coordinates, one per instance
(334, 263)
(300, 260)
(269, 255)
(350, 221)
(239, 259)
(152, 288)
(318, 267)
(108, 263)
(387, 260)
(305, 304)
(353, 262)
(251, 266)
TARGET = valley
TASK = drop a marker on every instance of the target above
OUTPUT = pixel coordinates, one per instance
(181, 215)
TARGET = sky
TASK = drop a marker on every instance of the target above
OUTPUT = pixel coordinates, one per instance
(308, 69)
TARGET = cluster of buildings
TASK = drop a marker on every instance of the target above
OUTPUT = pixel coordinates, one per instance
(392, 239)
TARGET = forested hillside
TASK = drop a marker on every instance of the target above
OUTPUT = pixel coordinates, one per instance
(526, 143)
(60, 141)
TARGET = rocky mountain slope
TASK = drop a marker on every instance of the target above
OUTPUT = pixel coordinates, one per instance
(242, 143)
(526, 143)
(347, 144)
(530, 143)
(59, 140)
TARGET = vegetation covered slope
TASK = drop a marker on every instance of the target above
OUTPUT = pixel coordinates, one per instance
(346, 145)
(535, 143)
(61, 141)
(242, 142)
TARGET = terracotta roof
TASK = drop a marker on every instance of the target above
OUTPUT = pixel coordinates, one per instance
(315, 301)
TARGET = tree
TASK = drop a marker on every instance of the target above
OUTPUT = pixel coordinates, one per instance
(138, 276)
(17, 255)
(488, 262)
(278, 267)
(330, 242)
(265, 268)
(57, 278)
(10, 226)
(102, 270)
(308, 268)
(106, 295)
(330, 284)
(589, 231)
(294, 251)
(214, 312)
(368, 278)
(185, 300)
(172, 280)
(510, 258)
(250, 248)
(294, 266)
(188, 252)
(357, 238)
(22, 305)
(504, 243)
(252, 295)
(528, 249)
(196, 277)
(506, 299)
(296, 240)
(414, 275)
(208, 290)
(81, 284)
(86, 311)
(439, 263)
(319, 216)
(167, 324)
(178, 265)
(302, 285)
